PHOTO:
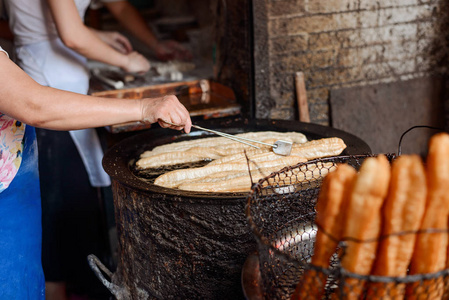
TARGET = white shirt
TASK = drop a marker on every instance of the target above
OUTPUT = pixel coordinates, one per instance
(31, 20)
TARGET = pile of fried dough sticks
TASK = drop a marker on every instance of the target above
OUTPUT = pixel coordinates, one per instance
(369, 210)
(228, 169)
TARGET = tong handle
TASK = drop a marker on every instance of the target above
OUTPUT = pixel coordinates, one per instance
(240, 139)
(229, 136)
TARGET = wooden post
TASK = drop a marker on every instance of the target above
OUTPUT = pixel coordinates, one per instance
(301, 97)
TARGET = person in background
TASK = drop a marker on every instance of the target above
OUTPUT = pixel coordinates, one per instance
(52, 45)
(25, 104)
(130, 18)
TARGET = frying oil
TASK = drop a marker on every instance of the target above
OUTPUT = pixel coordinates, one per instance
(150, 175)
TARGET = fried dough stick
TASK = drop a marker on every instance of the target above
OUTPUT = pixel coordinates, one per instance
(211, 148)
(331, 207)
(363, 222)
(235, 152)
(309, 150)
(402, 213)
(430, 248)
(241, 181)
(175, 178)
(207, 142)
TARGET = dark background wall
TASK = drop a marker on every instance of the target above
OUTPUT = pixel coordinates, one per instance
(360, 59)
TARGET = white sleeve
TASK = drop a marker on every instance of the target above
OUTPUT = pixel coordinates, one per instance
(1, 50)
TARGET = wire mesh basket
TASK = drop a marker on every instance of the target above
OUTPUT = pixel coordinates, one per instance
(281, 212)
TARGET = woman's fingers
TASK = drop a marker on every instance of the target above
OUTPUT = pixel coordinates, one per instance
(116, 40)
(168, 112)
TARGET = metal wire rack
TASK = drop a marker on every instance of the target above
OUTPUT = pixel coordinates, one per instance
(281, 212)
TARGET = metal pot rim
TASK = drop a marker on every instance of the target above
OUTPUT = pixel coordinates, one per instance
(118, 159)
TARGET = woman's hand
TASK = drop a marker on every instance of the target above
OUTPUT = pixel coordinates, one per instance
(116, 40)
(166, 111)
(136, 63)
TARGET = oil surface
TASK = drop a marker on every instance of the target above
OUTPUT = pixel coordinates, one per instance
(150, 175)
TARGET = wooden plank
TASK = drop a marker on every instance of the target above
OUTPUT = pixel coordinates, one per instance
(301, 97)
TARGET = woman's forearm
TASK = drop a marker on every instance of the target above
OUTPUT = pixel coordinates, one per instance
(91, 46)
(27, 101)
(132, 20)
(78, 37)
(60, 110)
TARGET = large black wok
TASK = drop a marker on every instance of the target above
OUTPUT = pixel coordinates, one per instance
(185, 245)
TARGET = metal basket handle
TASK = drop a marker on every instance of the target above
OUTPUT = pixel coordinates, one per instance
(97, 267)
(412, 128)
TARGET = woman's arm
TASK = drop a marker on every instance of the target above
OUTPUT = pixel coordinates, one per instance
(81, 39)
(27, 101)
(132, 20)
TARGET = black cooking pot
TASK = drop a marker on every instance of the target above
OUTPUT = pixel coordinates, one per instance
(177, 244)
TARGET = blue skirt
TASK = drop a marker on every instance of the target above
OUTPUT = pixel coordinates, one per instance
(21, 275)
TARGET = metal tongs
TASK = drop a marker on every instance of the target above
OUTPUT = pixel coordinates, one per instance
(279, 147)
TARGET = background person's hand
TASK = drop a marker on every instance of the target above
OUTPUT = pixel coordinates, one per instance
(136, 63)
(166, 111)
(172, 50)
(116, 40)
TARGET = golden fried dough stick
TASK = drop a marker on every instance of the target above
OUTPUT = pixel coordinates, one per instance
(175, 178)
(208, 142)
(331, 207)
(241, 181)
(309, 150)
(320, 148)
(295, 137)
(402, 213)
(211, 149)
(430, 248)
(188, 156)
(363, 221)
(236, 153)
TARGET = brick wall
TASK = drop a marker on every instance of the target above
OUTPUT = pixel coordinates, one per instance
(342, 43)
